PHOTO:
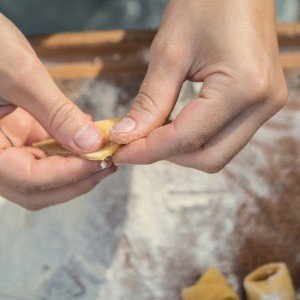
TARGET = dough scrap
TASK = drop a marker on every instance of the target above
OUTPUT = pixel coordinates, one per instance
(212, 286)
(271, 281)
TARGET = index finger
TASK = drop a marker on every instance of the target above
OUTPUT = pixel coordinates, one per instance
(22, 170)
(199, 121)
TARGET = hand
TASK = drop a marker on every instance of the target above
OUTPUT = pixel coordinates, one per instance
(26, 176)
(25, 82)
(232, 47)
(32, 180)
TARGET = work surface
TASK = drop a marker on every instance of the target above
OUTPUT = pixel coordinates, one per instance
(147, 231)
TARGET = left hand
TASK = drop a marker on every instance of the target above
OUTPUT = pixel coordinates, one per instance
(31, 179)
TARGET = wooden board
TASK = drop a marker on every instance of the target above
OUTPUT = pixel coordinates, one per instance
(89, 54)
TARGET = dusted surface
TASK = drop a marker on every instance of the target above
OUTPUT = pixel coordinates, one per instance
(148, 231)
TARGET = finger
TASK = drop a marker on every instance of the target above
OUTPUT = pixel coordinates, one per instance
(218, 151)
(22, 122)
(62, 119)
(36, 152)
(13, 124)
(6, 110)
(157, 96)
(201, 119)
(64, 194)
(223, 147)
(37, 134)
(26, 173)
(52, 172)
(26, 83)
(5, 142)
(88, 117)
(3, 102)
(43, 199)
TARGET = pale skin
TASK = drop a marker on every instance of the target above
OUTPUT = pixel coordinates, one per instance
(229, 45)
(27, 177)
(232, 47)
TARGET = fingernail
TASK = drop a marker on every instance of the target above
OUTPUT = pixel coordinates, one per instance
(125, 125)
(105, 163)
(118, 164)
(88, 137)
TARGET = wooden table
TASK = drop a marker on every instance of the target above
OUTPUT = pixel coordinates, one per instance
(270, 162)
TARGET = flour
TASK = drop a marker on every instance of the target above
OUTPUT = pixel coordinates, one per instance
(271, 297)
(149, 231)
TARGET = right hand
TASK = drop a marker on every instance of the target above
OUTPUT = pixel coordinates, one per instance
(230, 46)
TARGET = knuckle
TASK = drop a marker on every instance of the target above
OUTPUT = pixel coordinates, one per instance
(258, 85)
(145, 103)
(29, 206)
(66, 111)
(214, 166)
(148, 160)
(23, 186)
(167, 51)
(28, 185)
(190, 143)
(279, 98)
(214, 162)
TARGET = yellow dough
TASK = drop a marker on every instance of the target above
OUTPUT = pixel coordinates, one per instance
(212, 286)
(271, 281)
(51, 147)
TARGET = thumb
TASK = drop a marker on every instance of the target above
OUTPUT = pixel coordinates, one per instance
(34, 90)
(155, 100)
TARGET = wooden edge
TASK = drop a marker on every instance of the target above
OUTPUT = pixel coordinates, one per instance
(92, 70)
(98, 42)
(288, 30)
(115, 37)
(90, 39)
(60, 71)
(289, 35)
(290, 60)
(90, 52)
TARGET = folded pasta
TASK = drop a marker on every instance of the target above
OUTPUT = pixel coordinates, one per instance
(212, 286)
(51, 147)
(271, 281)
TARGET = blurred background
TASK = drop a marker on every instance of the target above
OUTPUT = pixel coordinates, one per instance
(43, 16)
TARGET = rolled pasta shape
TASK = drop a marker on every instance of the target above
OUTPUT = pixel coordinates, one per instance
(212, 286)
(270, 282)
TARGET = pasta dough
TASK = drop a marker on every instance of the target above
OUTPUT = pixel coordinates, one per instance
(51, 147)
